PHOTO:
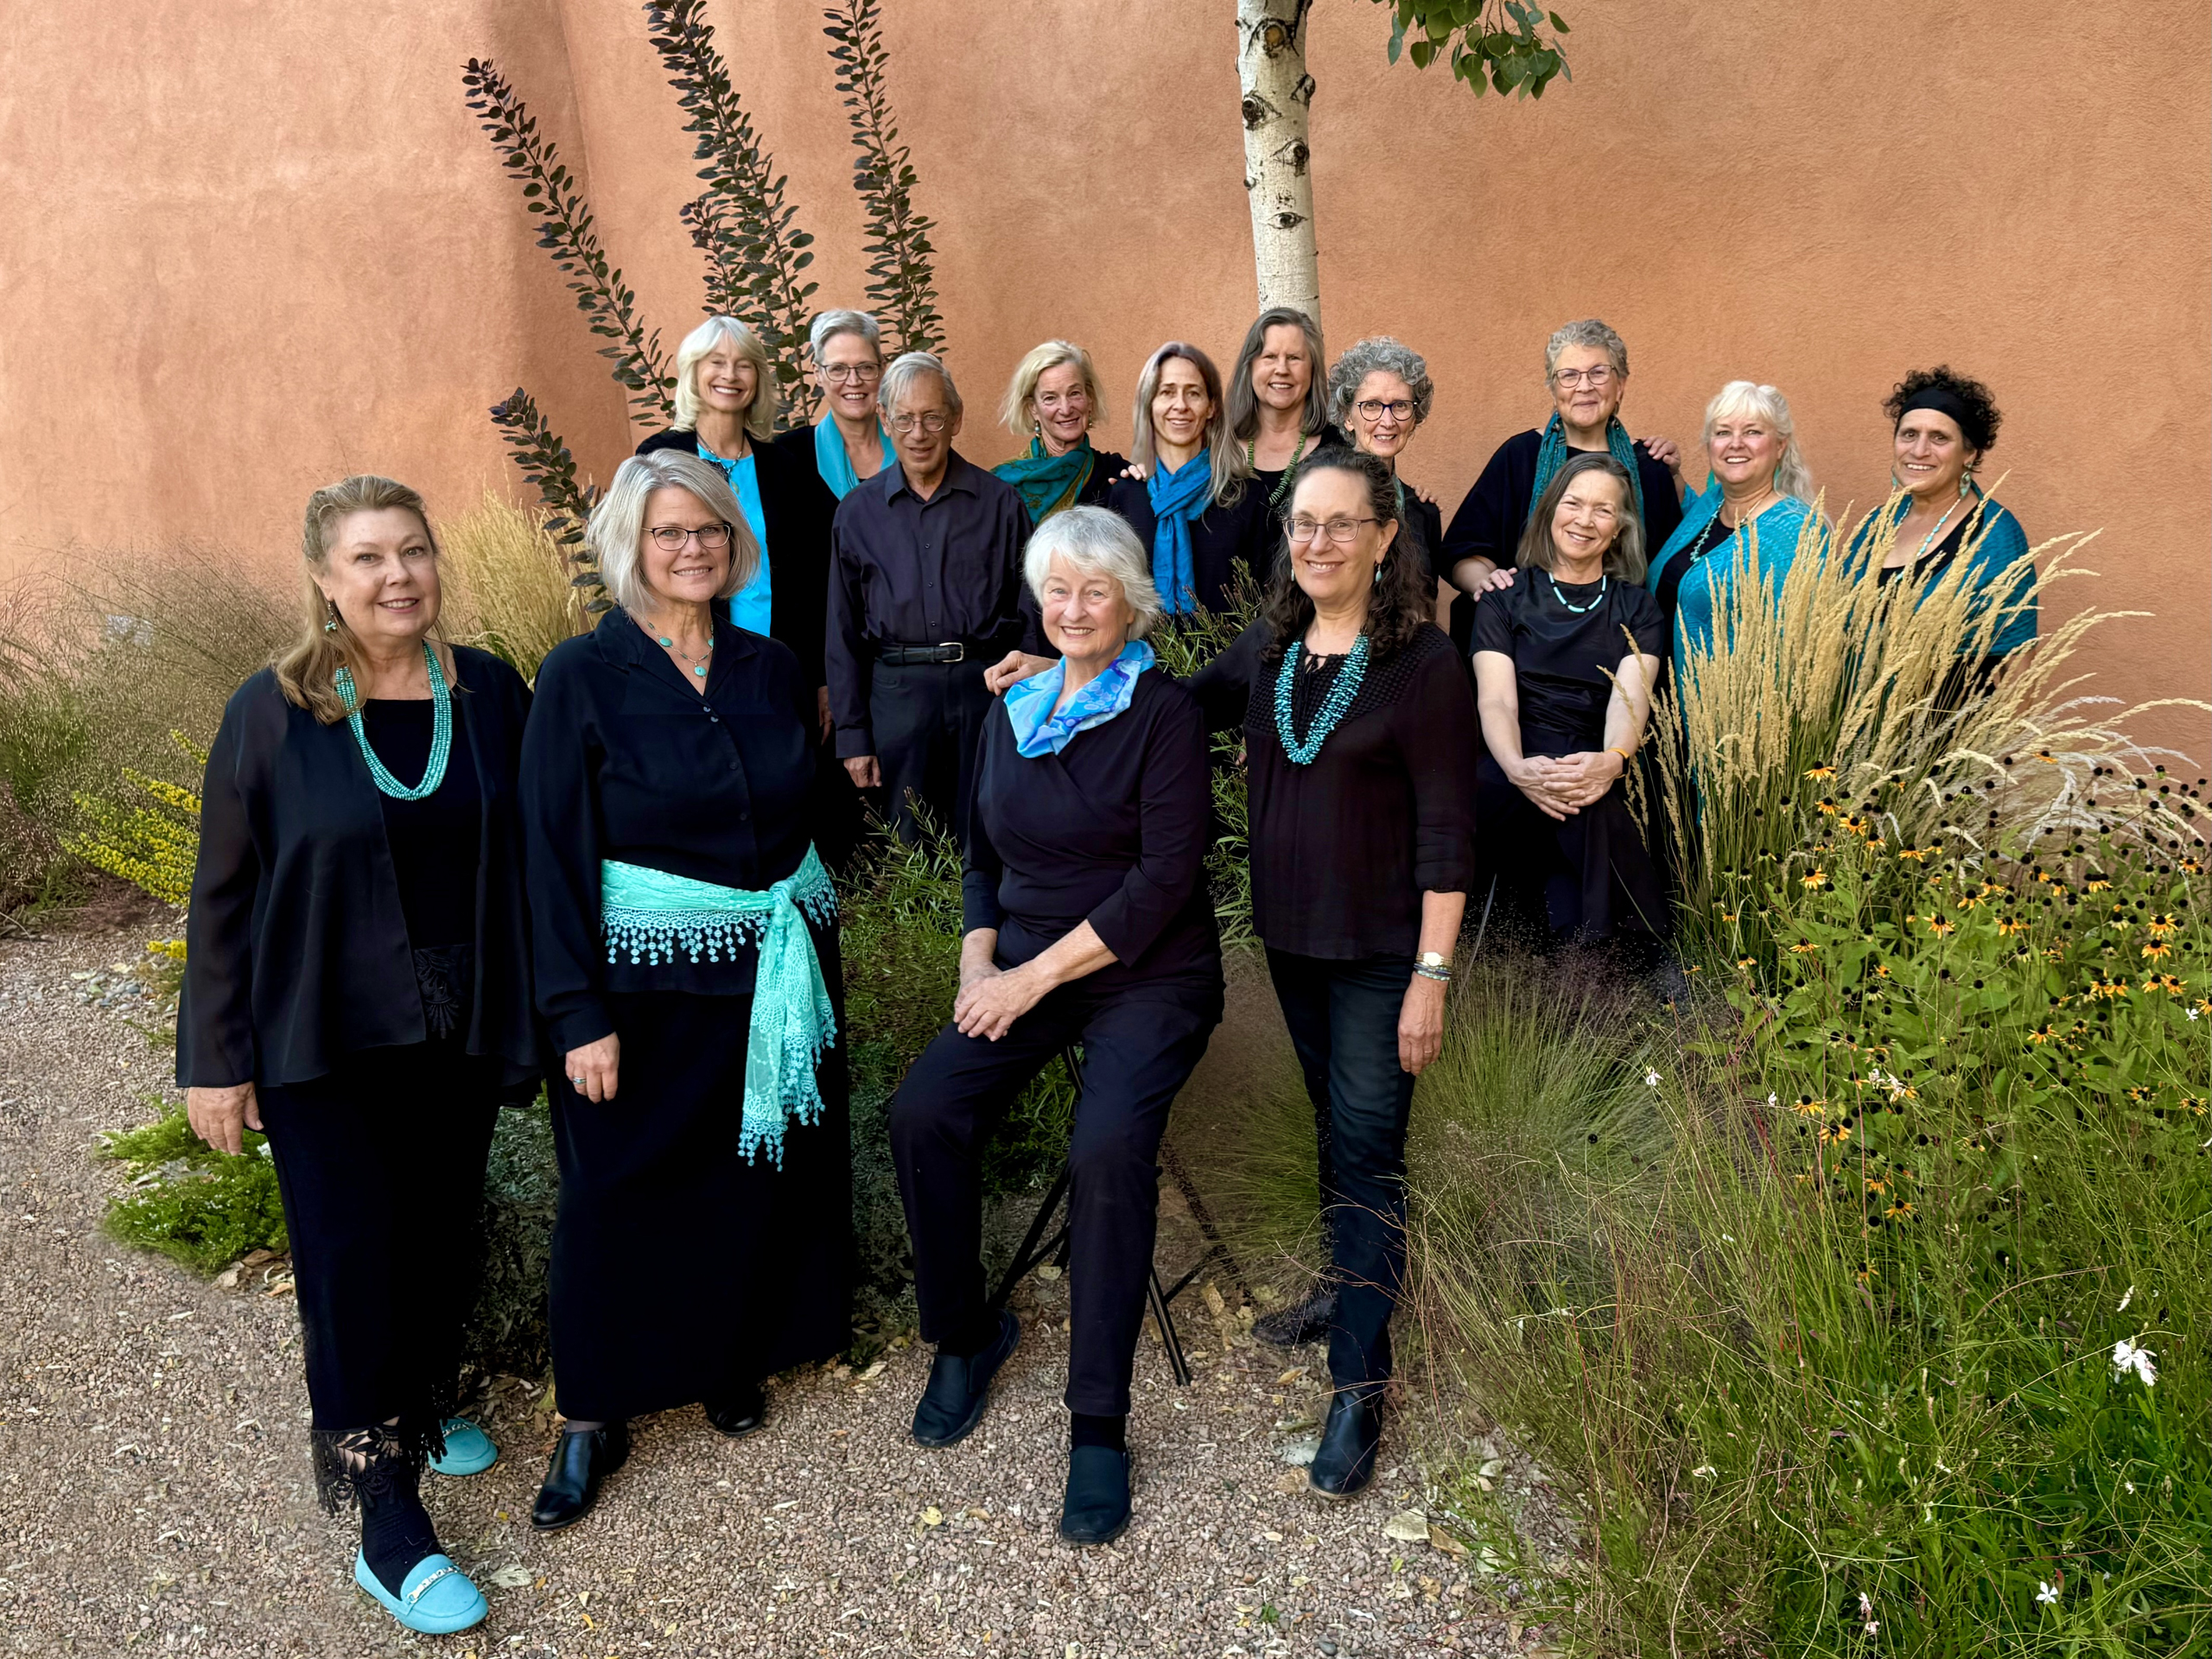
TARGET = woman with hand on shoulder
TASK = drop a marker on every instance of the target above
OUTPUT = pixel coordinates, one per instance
(1055, 399)
(849, 442)
(1564, 697)
(686, 951)
(1278, 409)
(357, 987)
(1088, 922)
(1358, 730)
(1380, 392)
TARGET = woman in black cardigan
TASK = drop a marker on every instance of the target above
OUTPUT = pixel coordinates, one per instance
(683, 926)
(1359, 731)
(1087, 922)
(357, 987)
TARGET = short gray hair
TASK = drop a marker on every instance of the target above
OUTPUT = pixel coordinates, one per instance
(900, 378)
(1739, 398)
(1092, 541)
(616, 534)
(1379, 355)
(1589, 333)
(830, 324)
(760, 417)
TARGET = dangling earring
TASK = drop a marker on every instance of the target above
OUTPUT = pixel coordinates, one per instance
(330, 624)
(1378, 573)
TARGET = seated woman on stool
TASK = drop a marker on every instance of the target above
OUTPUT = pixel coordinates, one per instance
(1088, 923)
(1564, 695)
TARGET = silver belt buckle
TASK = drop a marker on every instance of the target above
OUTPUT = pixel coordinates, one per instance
(957, 647)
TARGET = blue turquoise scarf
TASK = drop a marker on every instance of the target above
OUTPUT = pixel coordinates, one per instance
(652, 915)
(1049, 483)
(834, 464)
(1040, 729)
(1178, 499)
(1552, 455)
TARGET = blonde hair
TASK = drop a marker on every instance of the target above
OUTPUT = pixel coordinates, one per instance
(760, 413)
(1091, 540)
(616, 533)
(1225, 453)
(1019, 409)
(306, 672)
(1792, 475)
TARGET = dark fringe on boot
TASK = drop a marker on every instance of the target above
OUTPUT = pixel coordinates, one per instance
(350, 1462)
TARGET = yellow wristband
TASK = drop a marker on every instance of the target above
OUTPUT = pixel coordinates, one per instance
(1626, 755)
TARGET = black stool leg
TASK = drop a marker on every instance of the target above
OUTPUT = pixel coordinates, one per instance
(1031, 1252)
(1158, 1300)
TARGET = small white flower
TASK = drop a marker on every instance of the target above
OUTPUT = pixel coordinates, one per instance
(1872, 1625)
(1773, 1099)
(2192, 1014)
(2126, 1357)
(1728, 1238)
(1865, 1605)
(2125, 1300)
(2046, 1593)
(1650, 1077)
(1705, 1472)
(2131, 1487)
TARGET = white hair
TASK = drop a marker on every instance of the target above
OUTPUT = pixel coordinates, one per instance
(1740, 397)
(900, 378)
(830, 324)
(1090, 540)
(760, 416)
(616, 534)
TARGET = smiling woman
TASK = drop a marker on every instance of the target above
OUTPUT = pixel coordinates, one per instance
(1054, 398)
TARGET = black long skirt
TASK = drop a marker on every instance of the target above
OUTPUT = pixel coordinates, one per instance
(1586, 878)
(680, 1270)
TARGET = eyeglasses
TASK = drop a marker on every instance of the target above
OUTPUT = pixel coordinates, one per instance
(1374, 408)
(1342, 531)
(671, 539)
(839, 373)
(932, 422)
(1593, 378)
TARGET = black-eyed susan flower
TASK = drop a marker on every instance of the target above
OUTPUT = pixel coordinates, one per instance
(1826, 807)
(2159, 926)
(1941, 927)
(1820, 771)
(1900, 1211)
(1835, 1134)
(2157, 951)
(1802, 948)
(1817, 880)
(1805, 1106)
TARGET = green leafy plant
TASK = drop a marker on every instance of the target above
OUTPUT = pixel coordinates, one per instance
(902, 282)
(1489, 43)
(190, 1203)
(153, 842)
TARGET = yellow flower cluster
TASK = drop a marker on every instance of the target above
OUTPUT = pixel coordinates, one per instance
(151, 847)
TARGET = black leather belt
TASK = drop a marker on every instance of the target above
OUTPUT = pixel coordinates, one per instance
(951, 650)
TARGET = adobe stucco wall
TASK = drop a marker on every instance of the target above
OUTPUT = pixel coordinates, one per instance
(251, 247)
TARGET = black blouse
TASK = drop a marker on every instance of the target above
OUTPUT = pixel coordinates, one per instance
(1241, 539)
(625, 761)
(1269, 483)
(1561, 657)
(298, 945)
(1670, 578)
(1489, 521)
(438, 892)
(1112, 830)
(1343, 849)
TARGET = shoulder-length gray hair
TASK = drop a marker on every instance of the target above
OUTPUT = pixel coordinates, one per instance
(1090, 540)
(1379, 355)
(1244, 403)
(1020, 409)
(1740, 397)
(1223, 451)
(616, 534)
(1624, 560)
(760, 415)
(830, 324)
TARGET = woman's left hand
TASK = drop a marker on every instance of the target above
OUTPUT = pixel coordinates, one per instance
(1584, 778)
(987, 1008)
(1421, 1025)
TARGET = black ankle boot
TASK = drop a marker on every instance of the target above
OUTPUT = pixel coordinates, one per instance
(738, 1413)
(1345, 1462)
(953, 1403)
(1302, 1322)
(581, 1460)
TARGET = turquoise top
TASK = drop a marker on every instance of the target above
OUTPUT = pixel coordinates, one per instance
(753, 605)
(2002, 572)
(1776, 531)
(834, 464)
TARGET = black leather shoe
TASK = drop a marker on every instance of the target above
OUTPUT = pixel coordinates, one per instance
(740, 1412)
(1302, 1322)
(1096, 1508)
(580, 1461)
(1345, 1462)
(959, 1388)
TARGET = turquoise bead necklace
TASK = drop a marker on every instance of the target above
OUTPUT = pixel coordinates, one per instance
(698, 663)
(1332, 709)
(441, 732)
(1578, 610)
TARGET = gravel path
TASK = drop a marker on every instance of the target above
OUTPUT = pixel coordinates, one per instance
(155, 1495)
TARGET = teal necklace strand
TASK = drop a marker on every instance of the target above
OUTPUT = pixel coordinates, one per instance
(1578, 610)
(1289, 473)
(440, 734)
(1332, 709)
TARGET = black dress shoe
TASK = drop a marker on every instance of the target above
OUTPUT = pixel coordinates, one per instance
(1345, 1461)
(959, 1388)
(738, 1413)
(580, 1461)
(1302, 1322)
(1096, 1508)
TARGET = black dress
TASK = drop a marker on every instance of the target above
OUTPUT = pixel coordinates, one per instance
(749, 1261)
(1270, 484)
(1589, 875)
(1230, 545)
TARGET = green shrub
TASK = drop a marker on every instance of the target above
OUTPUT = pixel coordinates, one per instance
(509, 1333)
(191, 1203)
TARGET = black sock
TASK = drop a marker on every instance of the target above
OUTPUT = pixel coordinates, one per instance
(1112, 1433)
(396, 1530)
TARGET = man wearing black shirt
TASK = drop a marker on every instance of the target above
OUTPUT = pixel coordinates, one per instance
(924, 593)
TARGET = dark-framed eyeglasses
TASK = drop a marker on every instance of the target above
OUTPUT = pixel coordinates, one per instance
(1400, 410)
(1342, 531)
(671, 538)
(867, 373)
(1593, 378)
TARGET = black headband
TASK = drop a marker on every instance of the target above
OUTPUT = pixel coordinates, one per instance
(1943, 401)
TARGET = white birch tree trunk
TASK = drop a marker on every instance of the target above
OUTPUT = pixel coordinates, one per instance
(1278, 94)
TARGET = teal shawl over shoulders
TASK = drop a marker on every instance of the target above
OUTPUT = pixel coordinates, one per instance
(1049, 483)
(2002, 572)
(1777, 531)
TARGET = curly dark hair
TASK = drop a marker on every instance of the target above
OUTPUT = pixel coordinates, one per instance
(1982, 419)
(1403, 594)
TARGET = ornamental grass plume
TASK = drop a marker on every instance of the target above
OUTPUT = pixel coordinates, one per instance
(509, 591)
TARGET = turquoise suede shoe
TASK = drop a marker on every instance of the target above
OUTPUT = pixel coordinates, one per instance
(437, 1599)
(468, 1450)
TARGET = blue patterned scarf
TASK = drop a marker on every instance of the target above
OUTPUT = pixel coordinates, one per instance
(1039, 729)
(1553, 457)
(1179, 498)
(834, 464)
(1049, 483)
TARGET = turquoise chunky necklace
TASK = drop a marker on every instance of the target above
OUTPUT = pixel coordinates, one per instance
(1332, 707)
(440, 734)
(1578, 610)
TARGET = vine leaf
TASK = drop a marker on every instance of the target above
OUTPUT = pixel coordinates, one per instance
(545, 461)
(902, 277)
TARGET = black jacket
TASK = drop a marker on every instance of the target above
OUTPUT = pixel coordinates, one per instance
(1225, 542)
(799, 507)
(297, 952)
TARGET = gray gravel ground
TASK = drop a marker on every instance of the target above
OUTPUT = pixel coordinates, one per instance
(154, 1493)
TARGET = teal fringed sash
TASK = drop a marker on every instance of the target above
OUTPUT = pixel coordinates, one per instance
(652, 915)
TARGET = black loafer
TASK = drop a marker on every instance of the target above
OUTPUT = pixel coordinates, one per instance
(959, 1388)
(1350, 1438)
(1096, 1508)
(738, 1413)
(1302, 1322)
(580, 1461)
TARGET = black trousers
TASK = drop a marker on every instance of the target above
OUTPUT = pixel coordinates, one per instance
(1140, 1046)
(928, 718)
(381, 1168)
(680, 1270)
(1343, 1022)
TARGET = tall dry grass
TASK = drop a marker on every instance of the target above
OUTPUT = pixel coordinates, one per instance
(510, 589)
